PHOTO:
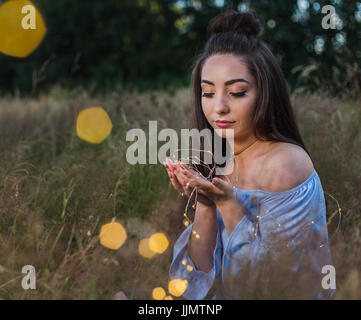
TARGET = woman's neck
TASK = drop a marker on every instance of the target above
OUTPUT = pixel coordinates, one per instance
(243, 144)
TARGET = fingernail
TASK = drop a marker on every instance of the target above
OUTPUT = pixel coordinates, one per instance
(215, 181)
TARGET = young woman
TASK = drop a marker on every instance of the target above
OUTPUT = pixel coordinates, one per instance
(259, 232)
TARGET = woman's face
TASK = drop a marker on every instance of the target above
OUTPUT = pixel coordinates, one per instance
(228, 93)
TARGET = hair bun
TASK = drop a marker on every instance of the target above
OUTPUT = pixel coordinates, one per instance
(242, 22)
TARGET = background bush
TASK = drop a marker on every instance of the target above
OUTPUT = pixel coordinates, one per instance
(150, 44)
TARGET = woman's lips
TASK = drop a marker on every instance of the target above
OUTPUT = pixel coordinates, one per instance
(224, 124)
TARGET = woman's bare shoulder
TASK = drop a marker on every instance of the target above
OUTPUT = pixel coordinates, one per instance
(285, 167)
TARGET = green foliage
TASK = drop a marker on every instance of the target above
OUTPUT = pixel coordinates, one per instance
(343, 78)
(150, 44)
(56, 192)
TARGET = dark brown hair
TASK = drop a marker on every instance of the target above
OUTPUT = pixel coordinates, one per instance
(233, 32)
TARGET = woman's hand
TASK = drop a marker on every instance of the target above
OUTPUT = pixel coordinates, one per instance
(172, 169)
(219, 191)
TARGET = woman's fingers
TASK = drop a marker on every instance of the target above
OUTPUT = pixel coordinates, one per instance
(170, 164)
(219, 183)
(175, 182)
(190, 180)
(222, 184)
(185, 180)
(173, 178)
(181, 178)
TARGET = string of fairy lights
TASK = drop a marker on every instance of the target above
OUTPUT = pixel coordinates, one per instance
(113, 235)
(256, 223)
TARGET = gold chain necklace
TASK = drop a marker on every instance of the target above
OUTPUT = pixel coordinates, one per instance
(243, 149)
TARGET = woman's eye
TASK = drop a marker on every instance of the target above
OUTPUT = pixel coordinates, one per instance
(238, 94)
(235, 94)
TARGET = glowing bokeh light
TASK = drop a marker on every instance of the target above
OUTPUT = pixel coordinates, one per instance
(168, 298)
(144, 249)
(112, 235)
(158, 293)
(93, 125)
(22, 28)
(177, 287)
(158, 242)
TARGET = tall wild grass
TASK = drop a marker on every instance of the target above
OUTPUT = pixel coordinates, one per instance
(57, 190)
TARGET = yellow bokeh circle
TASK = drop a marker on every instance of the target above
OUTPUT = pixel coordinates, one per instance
(112, 235)
(158, 242)
(93, 125)
(144, 249)
(177, 287)
(158, 293)
(22, 28)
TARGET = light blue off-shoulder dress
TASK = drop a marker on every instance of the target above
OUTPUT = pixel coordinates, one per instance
(276, 251)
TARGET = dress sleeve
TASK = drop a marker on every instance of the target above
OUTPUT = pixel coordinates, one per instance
(199, 282)
(284, 248)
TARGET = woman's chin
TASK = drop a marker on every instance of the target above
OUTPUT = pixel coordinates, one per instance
(226, 134)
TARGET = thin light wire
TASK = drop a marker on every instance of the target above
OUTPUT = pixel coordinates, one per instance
(258, 217)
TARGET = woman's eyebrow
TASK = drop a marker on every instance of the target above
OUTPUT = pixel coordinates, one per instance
(229, 82)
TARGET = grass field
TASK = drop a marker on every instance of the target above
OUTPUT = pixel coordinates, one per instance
(56, 191)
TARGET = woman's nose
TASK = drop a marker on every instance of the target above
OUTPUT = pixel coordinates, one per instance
(221, 105)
